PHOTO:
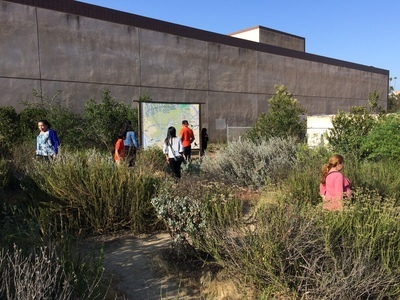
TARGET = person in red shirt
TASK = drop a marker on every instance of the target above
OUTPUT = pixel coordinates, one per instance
(187, 137)
(119, 150)
(334, 186)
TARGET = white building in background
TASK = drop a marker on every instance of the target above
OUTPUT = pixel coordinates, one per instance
(317, 128)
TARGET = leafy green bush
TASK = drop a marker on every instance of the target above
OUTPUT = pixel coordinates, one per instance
(283, 118)
(98, 126)
(349, 130)
(383, 140)
(254, 164)
(104, 120)
(65, 122)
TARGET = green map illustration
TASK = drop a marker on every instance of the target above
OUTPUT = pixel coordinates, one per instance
(157, 117)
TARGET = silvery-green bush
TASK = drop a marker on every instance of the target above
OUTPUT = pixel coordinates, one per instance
(182, 215)
(255, 164)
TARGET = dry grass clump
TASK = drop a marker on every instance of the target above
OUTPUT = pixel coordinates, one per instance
(41, 275)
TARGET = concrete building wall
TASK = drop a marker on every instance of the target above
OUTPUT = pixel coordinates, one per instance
(74, 47)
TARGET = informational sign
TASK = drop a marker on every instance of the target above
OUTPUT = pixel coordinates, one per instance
(156, 117)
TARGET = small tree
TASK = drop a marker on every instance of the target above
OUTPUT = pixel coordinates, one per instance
(283, 119)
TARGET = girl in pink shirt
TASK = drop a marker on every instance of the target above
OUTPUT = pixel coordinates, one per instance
(334, 186)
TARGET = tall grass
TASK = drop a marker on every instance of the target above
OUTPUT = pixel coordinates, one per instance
(95, 194)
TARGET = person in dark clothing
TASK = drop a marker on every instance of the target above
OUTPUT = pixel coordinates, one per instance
(204, 141)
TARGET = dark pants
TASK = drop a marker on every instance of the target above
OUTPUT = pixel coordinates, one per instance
(43, 157)
(187, 151)
(175, 167)
(130, 155)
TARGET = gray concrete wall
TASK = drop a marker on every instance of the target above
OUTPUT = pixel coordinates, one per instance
(51, 50)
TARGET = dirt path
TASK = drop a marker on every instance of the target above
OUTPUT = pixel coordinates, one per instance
(131, 261)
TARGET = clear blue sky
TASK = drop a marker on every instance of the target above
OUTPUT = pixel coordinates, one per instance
(366, 32)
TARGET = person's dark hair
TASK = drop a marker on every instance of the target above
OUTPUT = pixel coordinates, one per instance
(185, 122)
(122, 134)
(45, 122)
(127, 126)
(204, 130)
(171, 133)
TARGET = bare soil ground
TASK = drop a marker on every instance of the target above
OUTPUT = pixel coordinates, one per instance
(138, 271)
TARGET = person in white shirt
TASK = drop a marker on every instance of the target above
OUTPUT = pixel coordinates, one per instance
(173, 150)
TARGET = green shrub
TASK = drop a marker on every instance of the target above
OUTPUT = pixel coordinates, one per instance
(9, 130)
(349, 130)
(283, 118)
(253, 164)
(383, 140)
(66, 123)
(104, 120)
(150, 161)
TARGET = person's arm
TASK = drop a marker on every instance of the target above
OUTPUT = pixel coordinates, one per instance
(165, 150)
(347, 187)
(192, 138)
(181, 134)
(54, 140)
(134, 140)
(37, 146)
(180, 147)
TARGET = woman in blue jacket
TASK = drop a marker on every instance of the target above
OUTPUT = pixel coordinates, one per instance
(47, 142)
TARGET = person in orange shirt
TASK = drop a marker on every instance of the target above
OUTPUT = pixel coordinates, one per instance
(187, 137)
(119, 150)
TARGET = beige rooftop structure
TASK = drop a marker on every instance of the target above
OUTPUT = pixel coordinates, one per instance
(272, 37)
(83, 49)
